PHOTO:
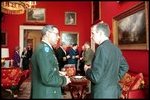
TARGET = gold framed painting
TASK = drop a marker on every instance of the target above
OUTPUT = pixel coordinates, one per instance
(130, 28)
(69, 38)
(70, 18)
(35, 15)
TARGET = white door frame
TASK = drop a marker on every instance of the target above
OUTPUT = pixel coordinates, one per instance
(21, 33)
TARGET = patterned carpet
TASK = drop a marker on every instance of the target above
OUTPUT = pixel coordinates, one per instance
(25, 91)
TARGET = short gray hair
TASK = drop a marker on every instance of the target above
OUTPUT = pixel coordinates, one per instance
(103, 27)
(50, 28)
(87, 43)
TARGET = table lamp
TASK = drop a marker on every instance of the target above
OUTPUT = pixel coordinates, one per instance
(4, 54)
(70, 69)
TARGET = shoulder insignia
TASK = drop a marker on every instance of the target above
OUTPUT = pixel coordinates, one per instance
(46, 49)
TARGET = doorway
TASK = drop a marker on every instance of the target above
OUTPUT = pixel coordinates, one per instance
(32, 38)
(29, 35)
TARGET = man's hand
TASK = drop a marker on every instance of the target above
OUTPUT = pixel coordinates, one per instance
(62, 73)
(64, 58)
(86, 67)
(18, 64)
(68, 56)
(77, 56)
(68, 80)
(81, 58)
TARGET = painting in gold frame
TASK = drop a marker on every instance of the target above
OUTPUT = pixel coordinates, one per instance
(69, 38)
(130, 28)
(35, 15)
(70, 18)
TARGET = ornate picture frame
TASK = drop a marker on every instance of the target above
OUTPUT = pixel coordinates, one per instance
(35, 15)
(69, 38)
(70, 18)
(130, 28)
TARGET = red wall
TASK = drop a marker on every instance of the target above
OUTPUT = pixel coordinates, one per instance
(55, 12)
(137, 59)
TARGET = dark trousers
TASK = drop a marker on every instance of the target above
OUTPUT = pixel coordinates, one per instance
(81, 67)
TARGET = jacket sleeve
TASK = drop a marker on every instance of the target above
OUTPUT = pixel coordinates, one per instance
(123, 67)
(98, 67)
(48, 67)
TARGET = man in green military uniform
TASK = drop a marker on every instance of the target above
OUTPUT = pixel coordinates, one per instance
(46, 79)
(88, 54)
(108, 65)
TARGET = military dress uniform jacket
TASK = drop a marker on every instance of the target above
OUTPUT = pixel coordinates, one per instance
(46, 82)
(107, 68)
(88, 56)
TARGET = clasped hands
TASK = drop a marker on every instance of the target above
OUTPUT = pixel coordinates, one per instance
(67, 80)
(66, 57)
(62, 73)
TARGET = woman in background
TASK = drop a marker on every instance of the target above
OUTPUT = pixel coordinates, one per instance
(16, 57)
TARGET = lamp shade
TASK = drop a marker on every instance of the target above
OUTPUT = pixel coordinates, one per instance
(70, 69)
(4, 52)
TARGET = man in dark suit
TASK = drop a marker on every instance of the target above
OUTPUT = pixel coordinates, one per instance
(108, 65)
(46, 79)
(62, 59)
(62, 55)
(25, 59)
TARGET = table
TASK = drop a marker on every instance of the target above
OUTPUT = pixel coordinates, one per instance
(78, 87)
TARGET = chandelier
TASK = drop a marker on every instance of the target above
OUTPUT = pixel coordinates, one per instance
(16, 7)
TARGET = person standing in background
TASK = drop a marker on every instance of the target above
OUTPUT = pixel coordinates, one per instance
(88, 57)
(62, 55)
(30, 51)
(62, 59)
(74, 55)
(46, 80)
(108, 65)
(25, 59)
(82, 62)
(16, 57)
(88, 54)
